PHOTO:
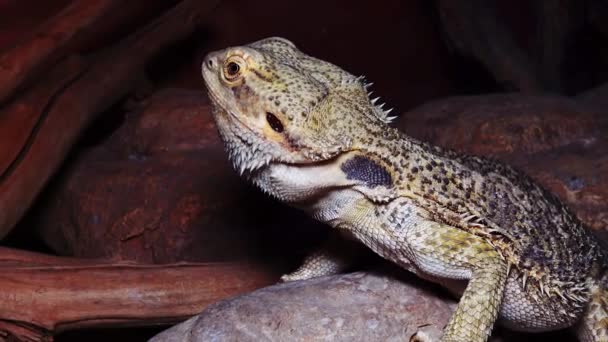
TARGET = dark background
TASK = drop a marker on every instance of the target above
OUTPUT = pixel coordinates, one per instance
(398, 45)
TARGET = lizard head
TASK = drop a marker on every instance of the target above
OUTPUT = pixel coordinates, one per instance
(274, 104)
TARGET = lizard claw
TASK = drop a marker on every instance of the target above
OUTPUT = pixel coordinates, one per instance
(426, 333)
(288, 277)
(297, 275)
(421, 336)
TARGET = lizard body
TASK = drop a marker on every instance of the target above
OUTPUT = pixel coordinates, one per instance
(306, 132)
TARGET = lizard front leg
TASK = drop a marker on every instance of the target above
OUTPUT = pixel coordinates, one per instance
(335, 256)
(401, 232)
(447, 252)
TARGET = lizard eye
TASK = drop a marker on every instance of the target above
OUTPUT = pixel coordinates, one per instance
(274, 122)
(233, 68)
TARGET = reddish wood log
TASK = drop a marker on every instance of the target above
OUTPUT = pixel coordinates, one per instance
(10, 257)
(81, 26)
(18, 121)
(112, 77)
(38, 301)
(20, 19)
(29, 58)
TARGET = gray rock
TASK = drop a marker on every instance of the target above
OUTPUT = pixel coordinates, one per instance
(352, 307)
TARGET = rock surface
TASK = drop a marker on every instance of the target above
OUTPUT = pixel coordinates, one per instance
(160, 189)
(384, 305)
(352, 307)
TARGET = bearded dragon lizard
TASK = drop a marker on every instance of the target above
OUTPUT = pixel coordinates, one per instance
(307, 132)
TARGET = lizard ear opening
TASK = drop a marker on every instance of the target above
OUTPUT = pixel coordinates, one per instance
(368, 171)
(274, 122)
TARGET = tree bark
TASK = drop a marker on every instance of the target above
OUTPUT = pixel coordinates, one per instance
(67, 112)
(29, 58)
(43, 295)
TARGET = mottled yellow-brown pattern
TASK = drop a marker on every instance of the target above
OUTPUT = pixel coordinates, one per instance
(309, 133)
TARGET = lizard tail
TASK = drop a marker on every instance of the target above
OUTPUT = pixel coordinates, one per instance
(594, 324)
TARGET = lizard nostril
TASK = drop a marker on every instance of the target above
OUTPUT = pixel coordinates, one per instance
(210, 62)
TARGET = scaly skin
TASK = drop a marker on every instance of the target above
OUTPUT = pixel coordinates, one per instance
(306, 132)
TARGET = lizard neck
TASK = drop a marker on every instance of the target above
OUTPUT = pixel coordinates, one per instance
(323, 190)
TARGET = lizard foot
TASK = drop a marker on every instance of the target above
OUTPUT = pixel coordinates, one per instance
(297, 275)
(427, 333)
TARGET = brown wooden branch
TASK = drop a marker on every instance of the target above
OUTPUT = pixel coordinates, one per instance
(29, 58)
(10, 257)
(38, 301)
(81, 25)
(19, 120)
(67, 112)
